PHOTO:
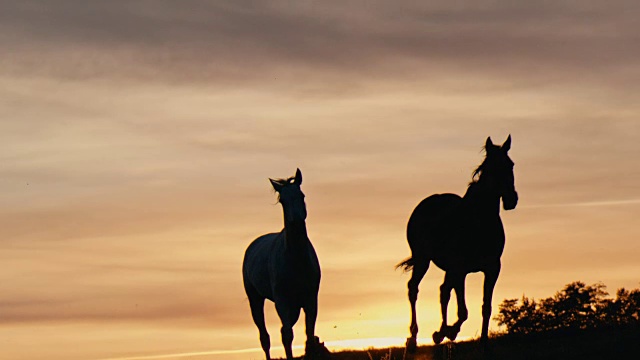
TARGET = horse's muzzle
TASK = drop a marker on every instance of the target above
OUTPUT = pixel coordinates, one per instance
(510, 200)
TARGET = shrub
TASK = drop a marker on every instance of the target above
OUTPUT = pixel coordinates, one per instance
(576, 307)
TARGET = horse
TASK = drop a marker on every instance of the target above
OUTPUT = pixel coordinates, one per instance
(283, 267)
(462, 235)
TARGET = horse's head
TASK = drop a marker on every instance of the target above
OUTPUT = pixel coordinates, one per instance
(291, 197)
(497, 170)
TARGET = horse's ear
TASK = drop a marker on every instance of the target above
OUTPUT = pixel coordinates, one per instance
(276, 185)
(298, 179)
(488, 145)
(507, 144)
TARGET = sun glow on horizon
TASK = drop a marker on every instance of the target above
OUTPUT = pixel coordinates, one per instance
(332, 345)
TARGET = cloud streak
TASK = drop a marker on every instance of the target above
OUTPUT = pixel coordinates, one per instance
(585, 204)
(240, 44)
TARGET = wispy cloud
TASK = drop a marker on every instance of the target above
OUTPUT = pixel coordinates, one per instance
(331, 46)
(584, 204)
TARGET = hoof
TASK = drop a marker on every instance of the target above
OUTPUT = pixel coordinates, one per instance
(438, 336)
(451, 332)
(411, 345)
(316, 350)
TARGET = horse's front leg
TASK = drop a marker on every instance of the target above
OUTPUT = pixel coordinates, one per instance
(490, 279)
(312, 345)
(310, 315)
(289, 315)
(257, 312)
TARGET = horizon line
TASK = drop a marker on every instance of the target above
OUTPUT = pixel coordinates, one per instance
(335, 345)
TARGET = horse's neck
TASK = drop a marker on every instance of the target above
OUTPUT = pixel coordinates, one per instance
(295, 235)
(481, 199)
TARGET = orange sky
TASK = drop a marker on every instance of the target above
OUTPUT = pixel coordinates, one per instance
(137, 139)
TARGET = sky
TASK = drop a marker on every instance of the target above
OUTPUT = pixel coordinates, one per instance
(137, 139)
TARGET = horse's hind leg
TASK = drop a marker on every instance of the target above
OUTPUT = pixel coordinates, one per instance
(257, 312)
(419, 269)
(451, 281)
(445, 296)
(463, 313)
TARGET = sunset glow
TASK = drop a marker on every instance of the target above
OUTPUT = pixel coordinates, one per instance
(366, 343)
(137, 139)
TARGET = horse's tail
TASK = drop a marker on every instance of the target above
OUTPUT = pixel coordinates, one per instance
(406, 264)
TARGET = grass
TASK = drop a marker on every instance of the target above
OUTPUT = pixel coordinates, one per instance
(603, 344)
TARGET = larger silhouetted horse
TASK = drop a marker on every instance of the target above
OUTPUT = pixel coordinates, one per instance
(462, 235)
(283, 267)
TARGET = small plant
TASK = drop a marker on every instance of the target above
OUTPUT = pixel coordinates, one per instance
(387, 356)
(369, 354)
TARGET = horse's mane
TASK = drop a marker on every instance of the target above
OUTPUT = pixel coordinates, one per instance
(475, 175)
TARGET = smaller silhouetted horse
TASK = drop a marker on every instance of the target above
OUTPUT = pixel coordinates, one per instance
(283, 267)
(462, 235)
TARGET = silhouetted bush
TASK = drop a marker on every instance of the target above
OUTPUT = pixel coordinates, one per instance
(576, 307)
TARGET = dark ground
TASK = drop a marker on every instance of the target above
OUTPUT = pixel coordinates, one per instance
(601, 344)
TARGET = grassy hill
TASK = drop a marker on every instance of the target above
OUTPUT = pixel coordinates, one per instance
(603, 344)
(579, 322)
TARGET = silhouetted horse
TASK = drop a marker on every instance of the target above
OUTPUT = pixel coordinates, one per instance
(283, 267)
(461, 236)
